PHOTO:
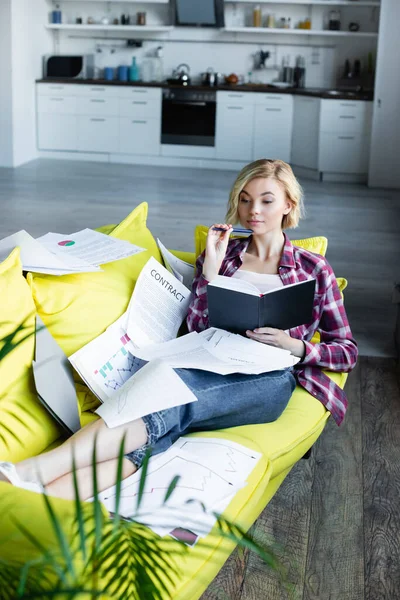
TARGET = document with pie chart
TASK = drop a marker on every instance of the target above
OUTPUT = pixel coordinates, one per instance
(92, 247)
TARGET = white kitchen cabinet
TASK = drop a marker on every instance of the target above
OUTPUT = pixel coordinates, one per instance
(344, 136)
(56, 118)
(96, 118)
(345, 116)
(331, 137)
(305, 136)
(273, 122)
(140, 136)
(234, 126)
(343, 153)
(57, 132)
(98, 134)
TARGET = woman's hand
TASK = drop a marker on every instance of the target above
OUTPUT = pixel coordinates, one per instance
(277, 338)
(217, 243)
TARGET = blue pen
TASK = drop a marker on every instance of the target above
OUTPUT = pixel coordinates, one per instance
(235, 230)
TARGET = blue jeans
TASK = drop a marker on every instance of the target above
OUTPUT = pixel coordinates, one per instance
(222, 401)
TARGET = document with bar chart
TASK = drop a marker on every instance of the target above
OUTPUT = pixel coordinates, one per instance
(107, 362)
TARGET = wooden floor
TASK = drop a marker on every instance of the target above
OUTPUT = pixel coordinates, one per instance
(362, 225)
(336, 517)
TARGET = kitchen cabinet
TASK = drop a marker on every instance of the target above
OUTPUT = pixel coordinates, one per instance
(273, 123)
(331, 137)
(56, 118)
(98, 134)
(57, 132)
(305, 138)
(95, 118)
(234, 126)
(344, 136)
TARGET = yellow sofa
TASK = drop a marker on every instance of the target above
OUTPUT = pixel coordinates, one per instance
(76, 309)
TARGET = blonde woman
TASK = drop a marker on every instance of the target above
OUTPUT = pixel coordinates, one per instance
(267, 199)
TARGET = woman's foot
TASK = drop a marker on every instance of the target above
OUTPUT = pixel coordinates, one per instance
(8, 473)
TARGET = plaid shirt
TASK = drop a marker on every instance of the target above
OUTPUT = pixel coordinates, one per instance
(337, 350)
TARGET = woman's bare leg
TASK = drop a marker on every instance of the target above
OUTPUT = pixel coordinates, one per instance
(106, 477)
(52, 465)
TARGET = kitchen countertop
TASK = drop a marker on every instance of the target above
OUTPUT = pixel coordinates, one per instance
(247, 87)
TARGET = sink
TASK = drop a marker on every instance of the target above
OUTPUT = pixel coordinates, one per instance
(340, 93)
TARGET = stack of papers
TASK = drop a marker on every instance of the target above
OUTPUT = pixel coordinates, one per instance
(219, 351)
(211, 471)
(61, 254)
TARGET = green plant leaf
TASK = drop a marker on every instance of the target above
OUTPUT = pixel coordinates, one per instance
(171, 488)
(143, 476)
(118, 484)
(78, 510)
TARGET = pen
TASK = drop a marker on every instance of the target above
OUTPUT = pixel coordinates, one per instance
(235, 230)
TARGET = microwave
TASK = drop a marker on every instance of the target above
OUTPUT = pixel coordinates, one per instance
(61, 66)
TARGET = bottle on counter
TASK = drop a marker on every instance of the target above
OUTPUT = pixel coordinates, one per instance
(257, 16)
(134, 70)
(299, 72)
(159, 65)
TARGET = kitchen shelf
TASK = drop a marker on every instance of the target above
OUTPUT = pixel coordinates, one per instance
(97, 27)
(281, 31)
(121, 1)
(317, 2)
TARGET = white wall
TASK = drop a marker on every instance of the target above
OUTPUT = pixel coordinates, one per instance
(29, 42)
(6, 135)
(384, 168)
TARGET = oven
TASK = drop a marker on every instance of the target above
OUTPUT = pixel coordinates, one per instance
(188, 117)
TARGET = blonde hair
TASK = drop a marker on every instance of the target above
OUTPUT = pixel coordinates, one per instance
(281, 172)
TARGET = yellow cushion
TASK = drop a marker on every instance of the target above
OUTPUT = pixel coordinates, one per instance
(317, 244)
(78, 308)
(25, 426)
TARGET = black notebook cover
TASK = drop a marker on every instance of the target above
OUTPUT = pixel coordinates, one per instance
(283, 308)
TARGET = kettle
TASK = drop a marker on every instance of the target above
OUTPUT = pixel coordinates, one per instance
(181, 74)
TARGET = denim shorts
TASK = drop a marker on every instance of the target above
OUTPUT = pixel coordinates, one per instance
(222, 401)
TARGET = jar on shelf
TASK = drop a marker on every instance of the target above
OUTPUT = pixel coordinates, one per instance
(141, 18)
(257, 16)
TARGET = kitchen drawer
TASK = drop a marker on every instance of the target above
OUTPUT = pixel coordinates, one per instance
(98, 134)
(56, 89)
(98, 105)
(97, 91)
(273, 117)
(236, 98)
(343, 116)
(60, 105)
(140, 136)
(343, 153)
(57, 132)
(284, 100)
(140, 107)
(140, 93)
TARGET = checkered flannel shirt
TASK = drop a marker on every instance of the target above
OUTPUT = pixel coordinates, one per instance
(337, 349)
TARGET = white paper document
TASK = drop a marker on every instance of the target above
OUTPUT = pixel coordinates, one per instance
(219, 351)
(158, 305)
(178, 267)
(211, 471)
(93, 247)
(108, 361)
(155, 387)
(37, 258)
